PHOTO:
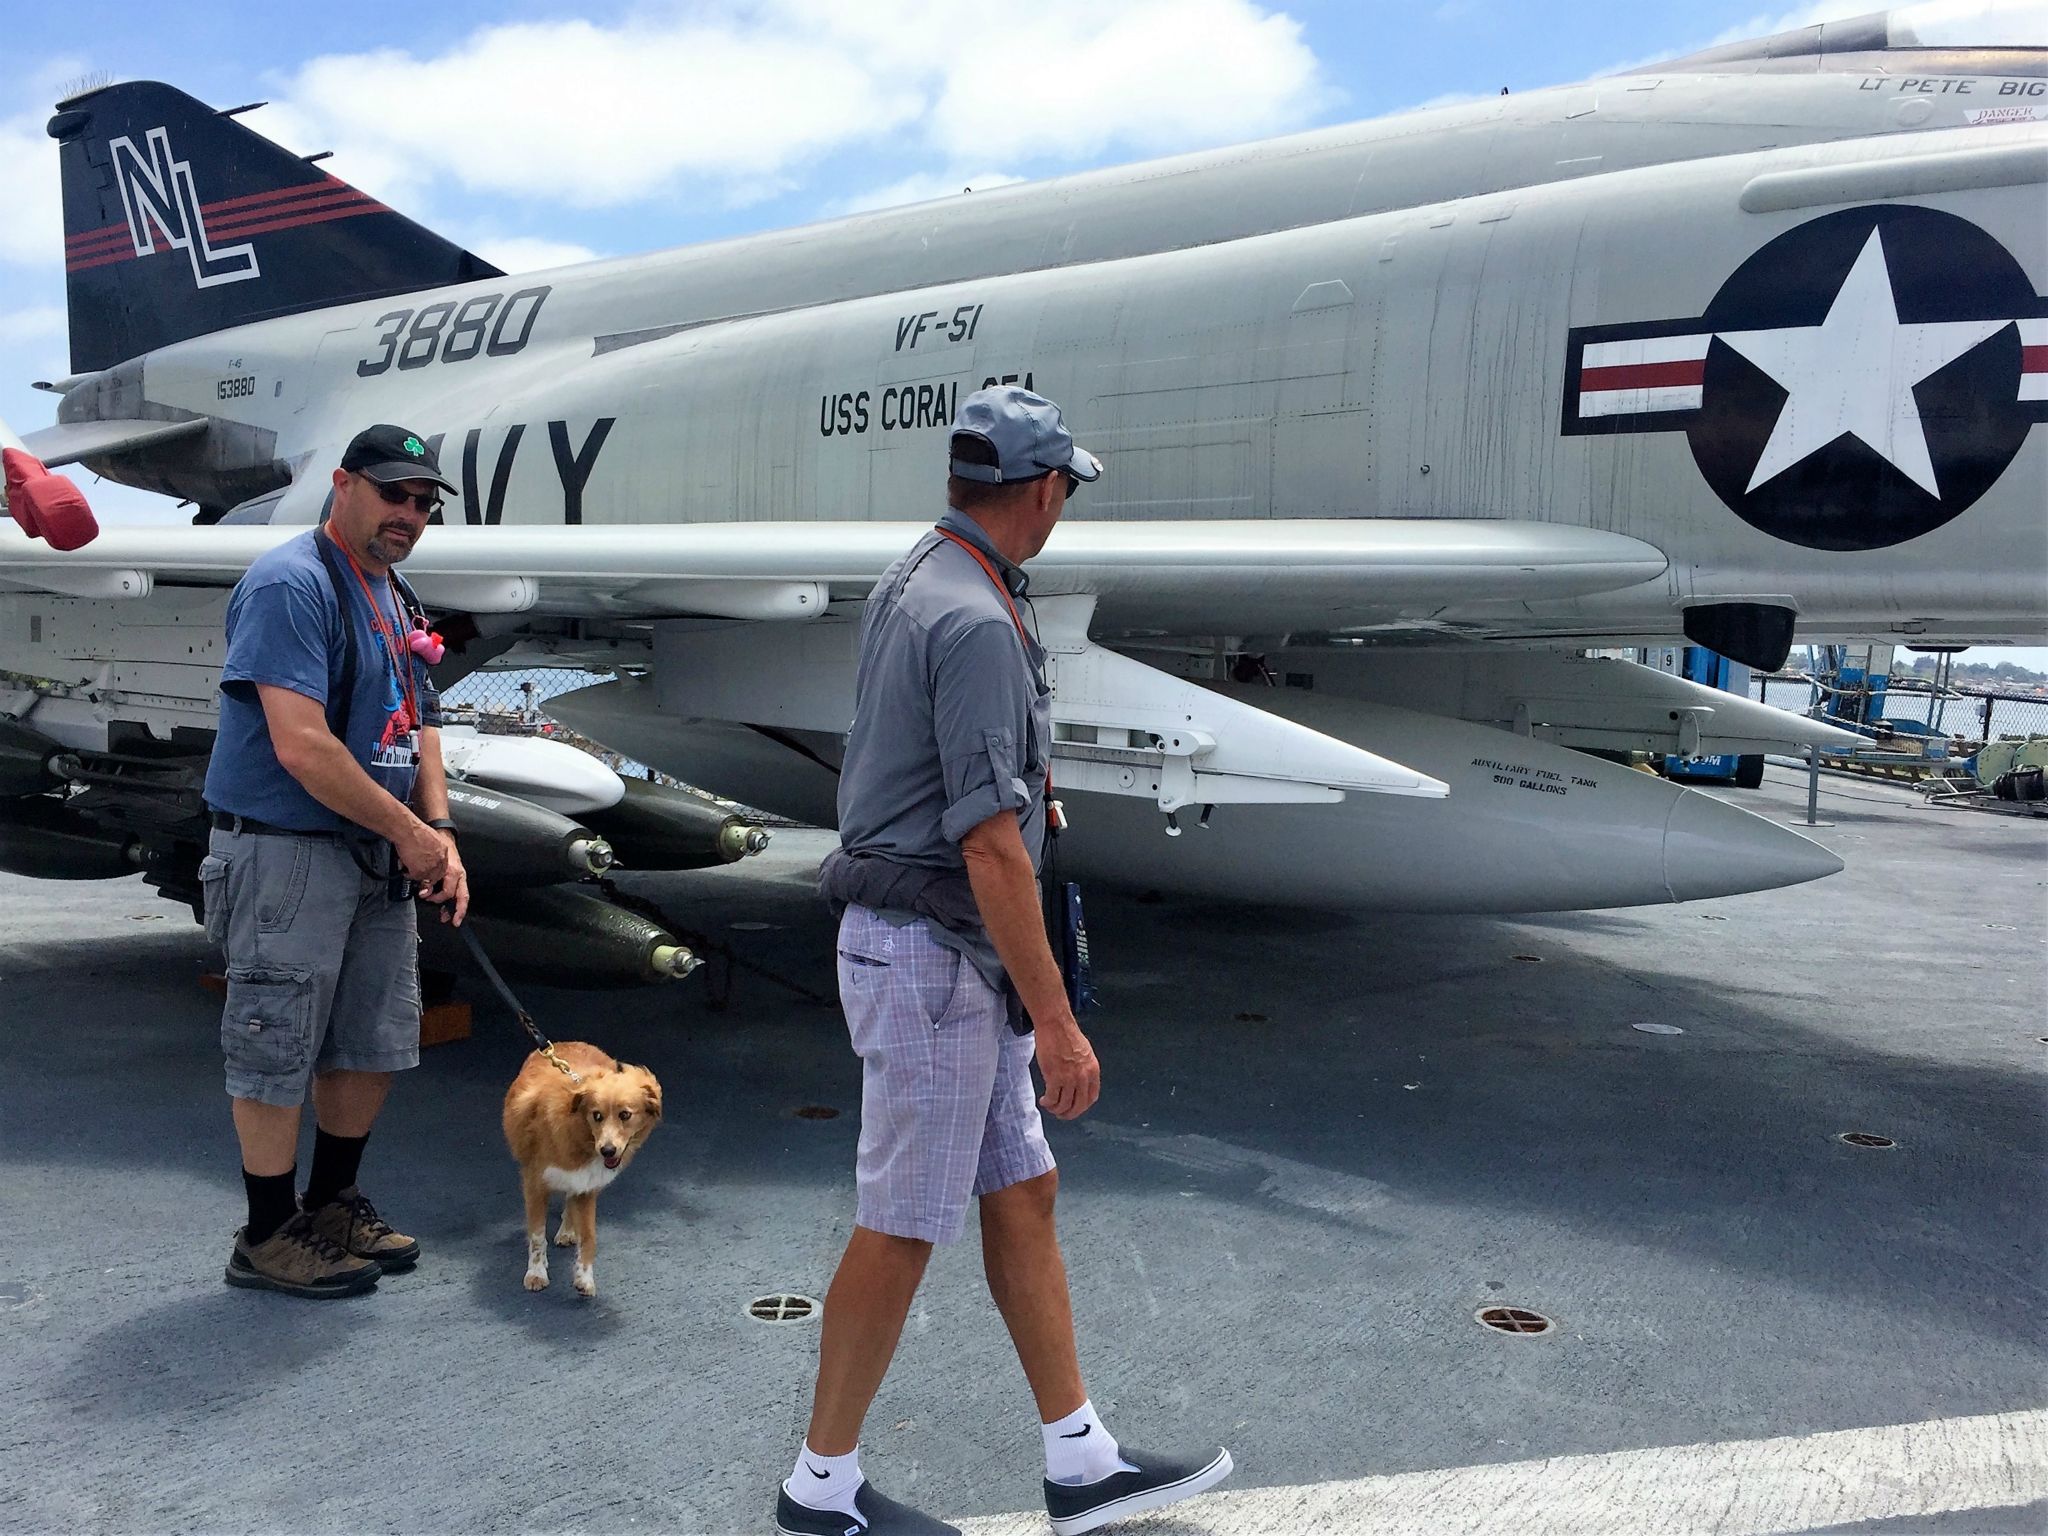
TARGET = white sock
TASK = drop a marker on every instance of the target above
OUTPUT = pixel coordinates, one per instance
(1078, 1449)
(826, 1482)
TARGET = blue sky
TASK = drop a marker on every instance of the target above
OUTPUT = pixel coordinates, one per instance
(538, 132)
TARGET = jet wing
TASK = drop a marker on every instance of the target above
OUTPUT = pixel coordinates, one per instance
(1208, 577)
(70, 441)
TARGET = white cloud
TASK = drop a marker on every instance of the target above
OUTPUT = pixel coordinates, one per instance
(1769, 24)
(1937, 23)
(32, 233)
(529, 253)
(1154, 75)
(34, 345)
(922, 188)
(742, 95)
(592, 115)
(33, 230)
(1978, 23)
(38, 322)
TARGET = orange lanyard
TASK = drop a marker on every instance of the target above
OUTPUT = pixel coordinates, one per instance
(1015, 618)
(400, 660)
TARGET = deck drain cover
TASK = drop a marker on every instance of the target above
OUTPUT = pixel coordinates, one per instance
(1865, 1139)
(1652, 1027)
(1513, 1320)
(1528, 959)
(815, 1112)
(782, 1307)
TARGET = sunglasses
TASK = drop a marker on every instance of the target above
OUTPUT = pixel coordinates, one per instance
(426, 501)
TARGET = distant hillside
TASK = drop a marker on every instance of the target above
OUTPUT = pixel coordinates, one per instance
(1971, 674)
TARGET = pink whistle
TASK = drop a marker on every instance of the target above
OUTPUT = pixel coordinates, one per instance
(429, 647)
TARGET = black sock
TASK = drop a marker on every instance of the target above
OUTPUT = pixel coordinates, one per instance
(273, 1201)
(335, 1160)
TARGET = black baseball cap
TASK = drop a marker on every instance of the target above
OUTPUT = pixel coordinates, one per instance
(385, 453)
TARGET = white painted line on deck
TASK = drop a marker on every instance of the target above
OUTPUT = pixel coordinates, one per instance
(1733, 1488)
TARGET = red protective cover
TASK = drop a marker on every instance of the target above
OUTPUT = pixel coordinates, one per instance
(61, 511)
(21, 467)
(46, 505)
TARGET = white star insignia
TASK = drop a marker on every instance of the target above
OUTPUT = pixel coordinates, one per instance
(1854, 373)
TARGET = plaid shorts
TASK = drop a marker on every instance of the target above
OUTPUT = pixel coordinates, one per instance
(947, 1107)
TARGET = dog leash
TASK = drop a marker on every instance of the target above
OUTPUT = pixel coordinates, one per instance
(541, 1042)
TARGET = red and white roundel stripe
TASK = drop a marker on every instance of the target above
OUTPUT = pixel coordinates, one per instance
(2034, 359)
(1649, 373)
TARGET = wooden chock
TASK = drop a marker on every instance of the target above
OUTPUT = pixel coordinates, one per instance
(441, 1023)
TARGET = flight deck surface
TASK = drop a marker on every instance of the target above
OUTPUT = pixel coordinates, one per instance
(1324, 1143)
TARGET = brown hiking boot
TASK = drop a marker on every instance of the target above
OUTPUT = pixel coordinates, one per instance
(299, 1261)
(351, 1221)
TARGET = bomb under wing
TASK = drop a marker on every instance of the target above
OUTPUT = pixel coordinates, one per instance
(507, 841)
(569, 936)
(656, 827)
(42, 838)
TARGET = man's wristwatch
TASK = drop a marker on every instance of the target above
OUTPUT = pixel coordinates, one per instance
(443, 824)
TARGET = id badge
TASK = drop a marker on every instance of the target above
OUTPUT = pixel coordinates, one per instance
(401, 751)
(394, 763)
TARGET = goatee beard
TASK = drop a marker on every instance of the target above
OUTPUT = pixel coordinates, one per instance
(387, 552)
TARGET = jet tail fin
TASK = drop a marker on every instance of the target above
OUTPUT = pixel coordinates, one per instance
(179, 221)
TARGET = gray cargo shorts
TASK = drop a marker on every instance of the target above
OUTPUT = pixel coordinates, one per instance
(947, 1107)
(323, 969)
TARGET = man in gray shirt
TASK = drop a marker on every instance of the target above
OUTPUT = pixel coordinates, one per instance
(945, 969)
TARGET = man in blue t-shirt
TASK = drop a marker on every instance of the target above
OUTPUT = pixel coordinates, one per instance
(328, 802)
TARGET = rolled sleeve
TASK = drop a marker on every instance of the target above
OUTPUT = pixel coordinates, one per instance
(981, 700)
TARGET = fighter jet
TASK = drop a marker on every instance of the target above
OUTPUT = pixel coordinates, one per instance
(1401, 419)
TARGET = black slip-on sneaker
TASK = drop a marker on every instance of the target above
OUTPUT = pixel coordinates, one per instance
(878, 1517)
(1159, 1481)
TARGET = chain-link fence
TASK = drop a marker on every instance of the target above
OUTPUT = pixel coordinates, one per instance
(514, 703)
(1969, 713)
(513, 699)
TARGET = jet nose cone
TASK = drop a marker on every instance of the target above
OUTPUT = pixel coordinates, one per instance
(1712, 848)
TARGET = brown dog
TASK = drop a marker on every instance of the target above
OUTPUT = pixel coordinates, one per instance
(574, 1138)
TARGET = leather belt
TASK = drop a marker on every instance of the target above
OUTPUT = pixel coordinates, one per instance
(225, 821)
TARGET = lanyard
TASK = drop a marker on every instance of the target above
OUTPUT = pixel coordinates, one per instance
(400, 660)
(1056, 820)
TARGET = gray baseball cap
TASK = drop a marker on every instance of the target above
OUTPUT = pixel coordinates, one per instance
(1027, 434)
